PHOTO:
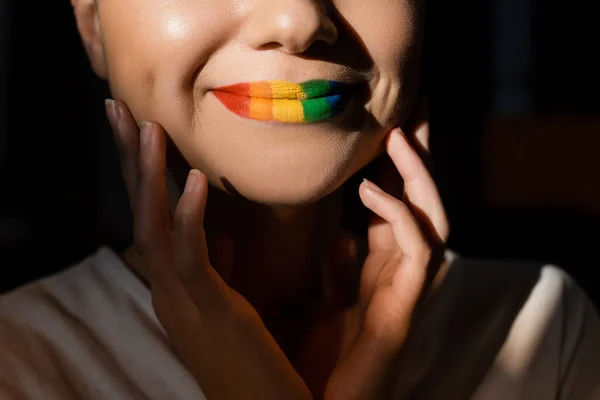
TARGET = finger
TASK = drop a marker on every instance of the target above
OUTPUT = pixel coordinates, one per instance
(407, 234)
(191, 252)
(395, 287)
(419, 186)
(381, 237)
(192, 263)
(409, 242)
(127, 138)
(152, 221)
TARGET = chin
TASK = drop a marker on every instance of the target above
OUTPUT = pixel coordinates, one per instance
(278, 163)
(285, 188)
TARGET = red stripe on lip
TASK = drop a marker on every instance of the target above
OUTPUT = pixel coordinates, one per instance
(239, 89)
(237, 104)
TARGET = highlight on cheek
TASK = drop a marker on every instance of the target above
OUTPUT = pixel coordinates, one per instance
(177, 29)
(312, 101)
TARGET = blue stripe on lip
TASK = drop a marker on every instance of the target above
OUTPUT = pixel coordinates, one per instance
(337, 103)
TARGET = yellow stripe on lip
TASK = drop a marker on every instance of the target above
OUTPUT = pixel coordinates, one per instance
(288, 111)
(277, 90)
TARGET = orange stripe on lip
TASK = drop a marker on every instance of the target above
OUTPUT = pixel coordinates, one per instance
(261, 90)
(261, 109)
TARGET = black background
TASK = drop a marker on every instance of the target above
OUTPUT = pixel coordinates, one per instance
(61, 193)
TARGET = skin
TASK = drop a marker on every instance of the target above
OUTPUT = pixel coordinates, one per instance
(350, 352)
(260, 218)
(162, 58)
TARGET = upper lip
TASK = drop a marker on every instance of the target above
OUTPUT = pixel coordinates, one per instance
(315, 88)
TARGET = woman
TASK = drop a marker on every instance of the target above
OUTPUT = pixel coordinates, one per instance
(256, 270)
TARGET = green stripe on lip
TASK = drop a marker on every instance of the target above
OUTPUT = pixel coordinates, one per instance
(319, 88)
(323, 108)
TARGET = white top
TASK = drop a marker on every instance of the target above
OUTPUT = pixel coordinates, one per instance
(492, 332)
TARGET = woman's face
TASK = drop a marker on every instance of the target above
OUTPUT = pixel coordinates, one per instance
(165, 58)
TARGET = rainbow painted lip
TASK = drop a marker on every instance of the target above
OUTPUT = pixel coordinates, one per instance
(311, 101)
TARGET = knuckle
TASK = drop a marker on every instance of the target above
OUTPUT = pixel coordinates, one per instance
(144, 244)
(184, 219)
(147, 241)
(402, 212)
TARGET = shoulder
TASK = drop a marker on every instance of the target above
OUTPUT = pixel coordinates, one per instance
(83, 287)
(550, 344)
(49, 325)
(27, 314)
(505, 326)
(40, 306)
(89, 332)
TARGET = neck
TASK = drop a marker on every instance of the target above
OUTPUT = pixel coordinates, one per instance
(279, 250)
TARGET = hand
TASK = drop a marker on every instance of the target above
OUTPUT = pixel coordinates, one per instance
(406, 241)
(217, 333)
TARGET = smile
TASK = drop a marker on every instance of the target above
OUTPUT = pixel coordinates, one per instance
(311, 101)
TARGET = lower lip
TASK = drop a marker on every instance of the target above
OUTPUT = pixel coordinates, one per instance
(289, 111)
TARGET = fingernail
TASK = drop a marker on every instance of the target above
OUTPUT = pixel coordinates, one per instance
(370, 185)
(111, 111)
(145, 132)
(399, 132)
(192, 182)
(394, 132)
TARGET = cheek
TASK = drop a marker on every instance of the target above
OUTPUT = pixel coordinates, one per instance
(391, 32)
(388, 28)
(153, 50)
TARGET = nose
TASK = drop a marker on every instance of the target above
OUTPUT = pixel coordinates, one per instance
(291, 26)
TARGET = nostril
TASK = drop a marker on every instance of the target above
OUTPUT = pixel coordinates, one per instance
(269, 46)
(290, 26)
(289, 45)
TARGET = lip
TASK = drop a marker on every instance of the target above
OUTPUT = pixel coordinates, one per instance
(309, 102)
